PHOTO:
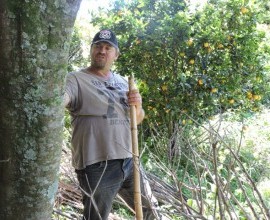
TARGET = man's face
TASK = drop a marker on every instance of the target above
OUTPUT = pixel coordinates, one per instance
(103, 55)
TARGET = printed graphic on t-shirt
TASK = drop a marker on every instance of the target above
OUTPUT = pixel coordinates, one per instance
(114, 94)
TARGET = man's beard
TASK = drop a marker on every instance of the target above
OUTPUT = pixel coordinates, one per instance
(98, 63)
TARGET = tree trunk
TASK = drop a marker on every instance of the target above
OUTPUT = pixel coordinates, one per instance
(34, 43)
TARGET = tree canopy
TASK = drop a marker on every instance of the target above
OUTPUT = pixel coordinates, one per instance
(192, 62)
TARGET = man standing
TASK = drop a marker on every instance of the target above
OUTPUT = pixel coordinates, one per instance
(98, 101)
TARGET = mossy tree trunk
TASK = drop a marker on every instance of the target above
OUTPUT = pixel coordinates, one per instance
(34, 43)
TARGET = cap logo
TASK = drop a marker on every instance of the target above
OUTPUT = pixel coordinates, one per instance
(105, 34)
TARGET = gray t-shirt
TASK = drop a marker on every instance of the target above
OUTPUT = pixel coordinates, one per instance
(100, 118)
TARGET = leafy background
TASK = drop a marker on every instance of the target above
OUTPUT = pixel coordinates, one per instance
(204, 77)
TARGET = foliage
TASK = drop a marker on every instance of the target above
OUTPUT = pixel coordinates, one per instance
(224, 175)
(191, 65)
(237, 153)
(265, 7)
(75, 57)
(197, 63)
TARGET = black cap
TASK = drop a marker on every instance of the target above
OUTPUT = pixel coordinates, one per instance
(107, 36)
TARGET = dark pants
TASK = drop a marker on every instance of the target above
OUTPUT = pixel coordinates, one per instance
(102, 181)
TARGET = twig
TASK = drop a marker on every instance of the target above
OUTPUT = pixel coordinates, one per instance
(5, 161)
(63, 214)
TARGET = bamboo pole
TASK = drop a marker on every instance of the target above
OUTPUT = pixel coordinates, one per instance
(135, 151)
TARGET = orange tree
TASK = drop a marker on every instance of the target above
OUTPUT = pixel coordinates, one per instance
(191, 62)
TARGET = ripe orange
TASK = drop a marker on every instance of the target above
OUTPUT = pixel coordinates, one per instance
(214, 90)
(220, 46)
(164, 87)
(257, 97)
(138, 41)
(190, 42)
(206, 44)
(249, 95)
(244, 10)
(192, 61)
(229, 37)
(182, 54)
(231, 101)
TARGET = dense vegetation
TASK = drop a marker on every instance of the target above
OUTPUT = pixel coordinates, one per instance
(200, 63)
(204, 75)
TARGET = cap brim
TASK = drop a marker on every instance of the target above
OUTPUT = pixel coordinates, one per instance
(114, 45)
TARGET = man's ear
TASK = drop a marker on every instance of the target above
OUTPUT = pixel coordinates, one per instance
(116, 55)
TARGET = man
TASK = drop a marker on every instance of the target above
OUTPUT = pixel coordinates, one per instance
(98, 101)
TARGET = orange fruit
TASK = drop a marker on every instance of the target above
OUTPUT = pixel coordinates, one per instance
(214, 90)
(206, 44)
(231, 101)
(244, 10)
(138, 41)
(249, 95)
(164, 87)
(190, 42)
(257, 97)
(192, 61)
(220, 46)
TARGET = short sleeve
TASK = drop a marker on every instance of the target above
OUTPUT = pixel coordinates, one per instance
(72, 89)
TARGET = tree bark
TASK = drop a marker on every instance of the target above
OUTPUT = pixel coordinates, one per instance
(34, 43)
